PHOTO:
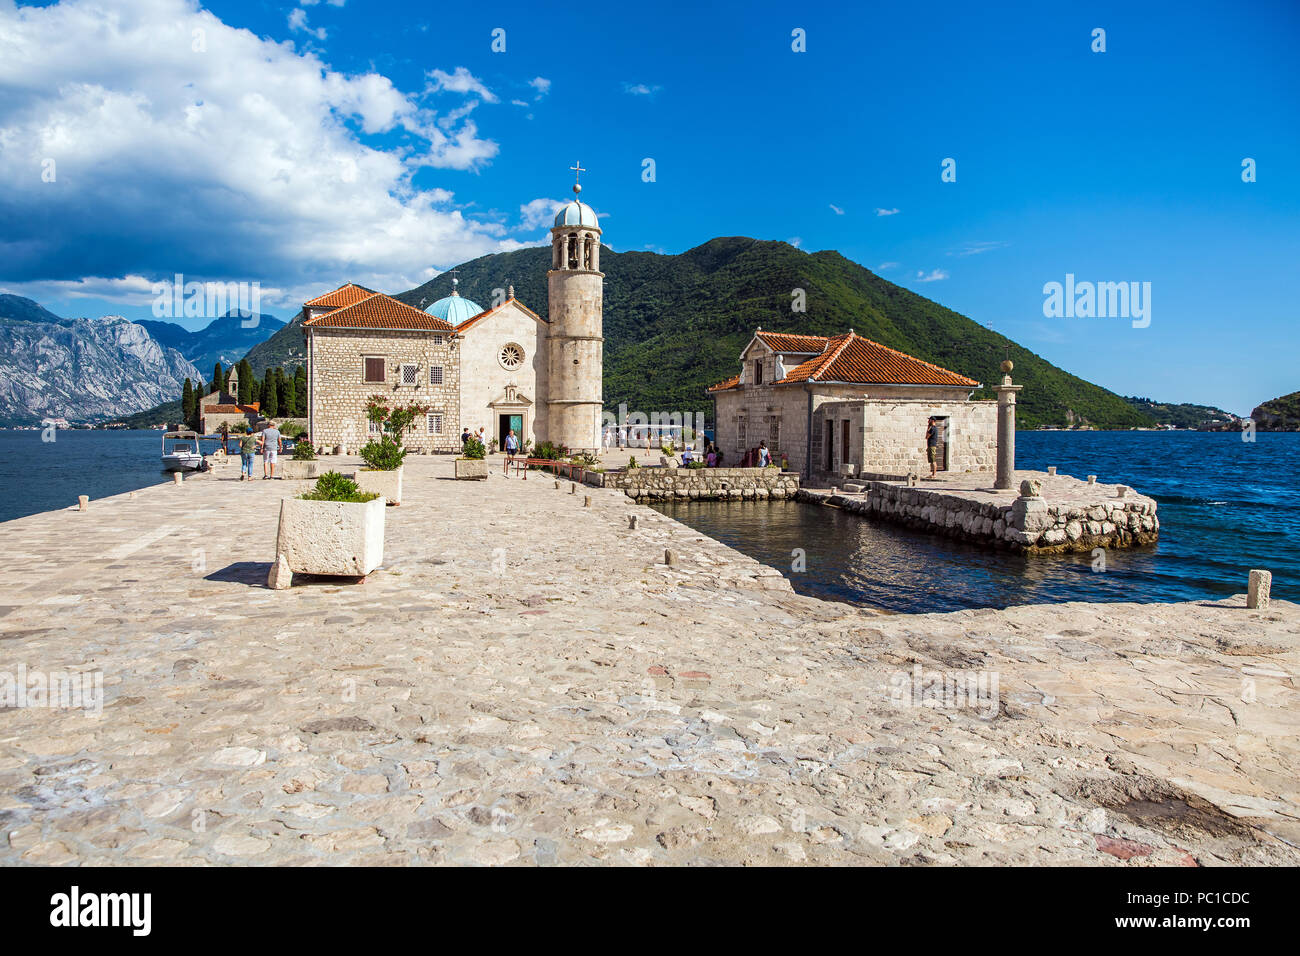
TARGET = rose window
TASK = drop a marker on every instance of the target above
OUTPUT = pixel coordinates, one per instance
(511, 356)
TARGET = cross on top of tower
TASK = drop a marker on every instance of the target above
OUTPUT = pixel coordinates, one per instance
(577, 174)
(454, 282)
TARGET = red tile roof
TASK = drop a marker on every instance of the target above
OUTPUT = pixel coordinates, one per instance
(379, 311)
(228, 409)
(344, 295)
(472, 320)
(785, 342)
(851, 358)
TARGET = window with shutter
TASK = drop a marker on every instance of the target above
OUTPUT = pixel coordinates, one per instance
(435, 374)
(435, 423)
(374, 368)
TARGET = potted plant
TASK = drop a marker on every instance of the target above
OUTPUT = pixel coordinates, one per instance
(472, 464)
(383, 457)
(335, 529)
(303, 464)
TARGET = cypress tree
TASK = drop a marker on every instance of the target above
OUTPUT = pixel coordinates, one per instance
(218, 378)
(270, 396)
(246, 382)
(187, 402)
(300, 391)
(284, 386)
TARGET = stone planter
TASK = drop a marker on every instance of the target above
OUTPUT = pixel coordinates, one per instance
(470, 469)
(298, 470)
(328, 537)
(386, 483)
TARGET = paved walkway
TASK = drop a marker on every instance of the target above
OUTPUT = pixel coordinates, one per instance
(526, 682)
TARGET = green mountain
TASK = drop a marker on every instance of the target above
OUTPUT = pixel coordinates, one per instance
(1278, 415)
(675, 325)
(285, 348)
(1180, 416)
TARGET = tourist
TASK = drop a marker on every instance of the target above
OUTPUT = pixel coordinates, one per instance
(622, 438)
(270, 440)
(247, 448)
(604, 438)
(764, 456)
(932, 444)
(711, 458)
(512, 446)
(465, 436)
(688, 455)
(717, 461)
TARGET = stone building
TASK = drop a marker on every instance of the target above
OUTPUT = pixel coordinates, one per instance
(830, 402)
(222, 407)
(499, 369)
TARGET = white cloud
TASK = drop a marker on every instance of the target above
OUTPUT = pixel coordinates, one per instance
(641, 89)
(460, 81)
(298, 23)
(976, 248)
(537, 213)
(935, 275)
(886, 212)
(836, 209)
(795, 241)
(541, 84)
(238, 158)
(886, 266)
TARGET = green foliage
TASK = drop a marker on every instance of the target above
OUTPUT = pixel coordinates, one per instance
(239, 428)
(386, 454)
(304, 452)
(668, 449)
(474, 448)
(585, 461)
(270, 395)
(292, 430)
(1181, 416)
(332, 486)
(246, 382)
(687, 317)
(218, 378)
(548, 450)
(1280, 414)
(695, 464)
(631, 463)
(300, 391)
(188, 400)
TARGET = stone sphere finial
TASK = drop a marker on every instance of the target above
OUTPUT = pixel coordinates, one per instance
(577, 188)
(1031, 488)
(1007, 366)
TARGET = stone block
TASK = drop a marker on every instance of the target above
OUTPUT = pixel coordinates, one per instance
(1258, 590)
(299, 470)
(471, 469)
(385, 483)
(331, 537)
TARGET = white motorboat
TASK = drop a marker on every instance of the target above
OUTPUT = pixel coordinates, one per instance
(180, 451)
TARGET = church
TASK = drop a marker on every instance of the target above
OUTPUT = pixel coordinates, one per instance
(500, 369)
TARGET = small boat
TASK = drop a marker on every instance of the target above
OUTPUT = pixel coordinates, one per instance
(180, 451)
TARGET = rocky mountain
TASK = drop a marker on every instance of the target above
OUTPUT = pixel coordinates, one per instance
(1278, 415)
(674, 325)
(81, 369)
(1181, 415)
(225, 340)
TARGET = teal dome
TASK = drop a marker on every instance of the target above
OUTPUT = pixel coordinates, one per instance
(577, 214)
(454, 308)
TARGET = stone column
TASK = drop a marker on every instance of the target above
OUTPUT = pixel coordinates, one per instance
(1006, 473)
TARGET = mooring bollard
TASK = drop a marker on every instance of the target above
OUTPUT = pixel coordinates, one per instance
(1257, 591)
(557, 485)
(1121, 491)
(573, 489)
(586, 501)
(177, 478)
(670, 557)
(83, 501)
(1051, 469)
(1092, 479)
(631, 522)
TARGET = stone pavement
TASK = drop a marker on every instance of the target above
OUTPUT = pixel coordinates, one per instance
(525, 682)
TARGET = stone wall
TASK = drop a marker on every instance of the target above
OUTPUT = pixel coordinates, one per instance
(658, 484)
(484, 378)
(887, 436)
(338, 392)
(887, 427)
(1027, 523)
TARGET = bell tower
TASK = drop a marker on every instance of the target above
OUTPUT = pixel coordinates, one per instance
(576, 350)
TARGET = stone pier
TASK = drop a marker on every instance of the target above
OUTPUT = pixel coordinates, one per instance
(1058, 514)
(525, 681)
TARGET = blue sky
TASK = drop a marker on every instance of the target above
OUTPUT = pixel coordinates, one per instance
(383, 141)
